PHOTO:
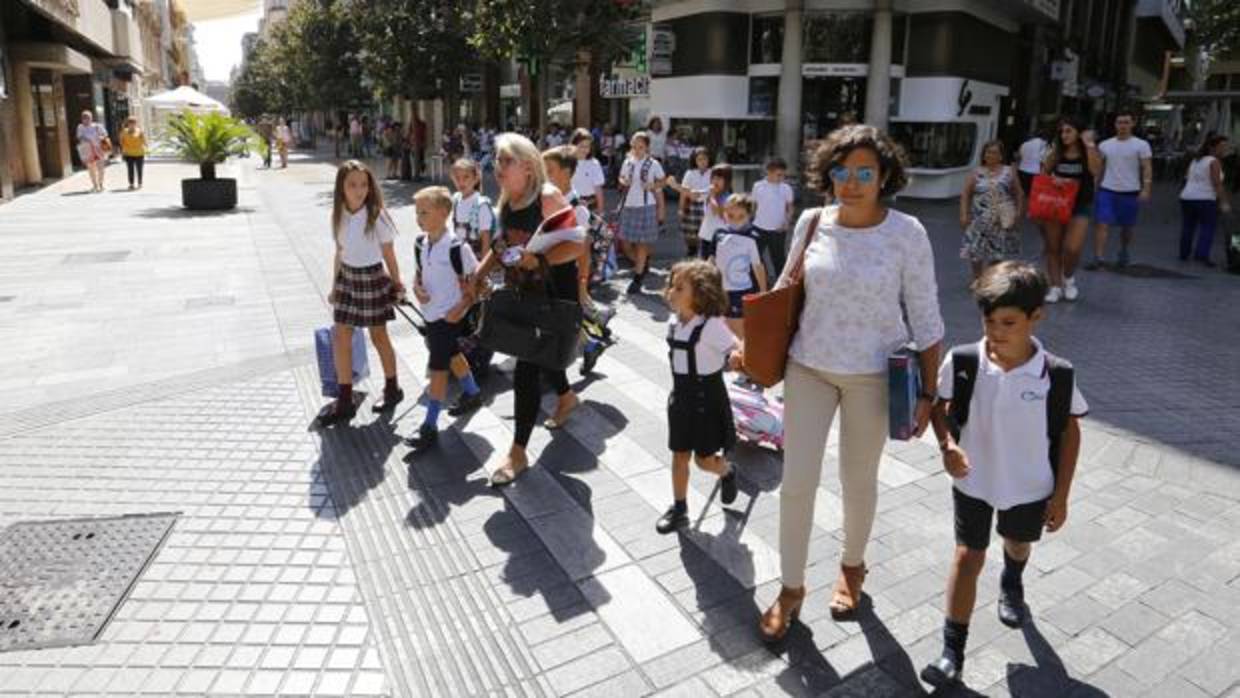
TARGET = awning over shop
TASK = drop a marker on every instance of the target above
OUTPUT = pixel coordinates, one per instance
(202, 10)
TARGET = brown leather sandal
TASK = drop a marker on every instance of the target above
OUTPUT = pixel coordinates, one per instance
(780, 616)
(847, 594)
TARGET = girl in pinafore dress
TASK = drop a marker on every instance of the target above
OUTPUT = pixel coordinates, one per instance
(363, 293)
(699, 415)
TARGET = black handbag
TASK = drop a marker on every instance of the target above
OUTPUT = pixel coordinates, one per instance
(532, 325)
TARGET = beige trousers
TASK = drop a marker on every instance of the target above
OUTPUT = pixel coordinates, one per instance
(810, 401)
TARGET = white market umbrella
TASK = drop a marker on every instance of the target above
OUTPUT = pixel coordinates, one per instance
(184, 97)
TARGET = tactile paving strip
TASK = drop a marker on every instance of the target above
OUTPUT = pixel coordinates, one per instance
(61, 581)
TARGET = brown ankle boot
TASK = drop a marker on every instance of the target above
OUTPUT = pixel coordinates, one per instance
(779, 617)
(847, 594)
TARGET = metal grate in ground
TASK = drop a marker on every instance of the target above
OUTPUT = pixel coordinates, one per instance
(61, 581)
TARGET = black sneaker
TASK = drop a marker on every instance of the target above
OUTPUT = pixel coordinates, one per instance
(389, 401)
(424, 440)
(942, 672)
(1094, 265)
(635, 286)
(338, 414)
(1012, 608)
(672, 520)
(465, 405)
(727, 487)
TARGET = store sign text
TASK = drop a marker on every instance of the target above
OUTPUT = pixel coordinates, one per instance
(624, 88)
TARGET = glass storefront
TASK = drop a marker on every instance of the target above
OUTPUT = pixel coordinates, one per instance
(737, 142)
(936, 145)
(829, 102)
(767, 38)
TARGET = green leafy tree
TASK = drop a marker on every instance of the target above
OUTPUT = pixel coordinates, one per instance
(415, 49)
(320, 43)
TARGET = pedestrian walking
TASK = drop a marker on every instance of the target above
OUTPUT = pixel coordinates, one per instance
(699, 415)
(658, 140)
(990, 206)
(526, 201)
(1127, 176)
(1014, 460)
(734, 251)
(869, 282)
(774, 199)
(391, 150)
(267, 132)
(284, 137)
(363, 292)
(1073, 156)
(641, 215)
(443, 286)
(472, 214)
(133, 150)
(91, 139)
(1202, 198)
(694, 189)
(588, 178)
(355, 137)
(1029, 160)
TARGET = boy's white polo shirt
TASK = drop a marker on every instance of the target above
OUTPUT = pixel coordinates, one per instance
(1005, 438)
(438, 277)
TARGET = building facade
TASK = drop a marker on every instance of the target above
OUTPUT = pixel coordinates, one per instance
(59, 58)
(755, 78)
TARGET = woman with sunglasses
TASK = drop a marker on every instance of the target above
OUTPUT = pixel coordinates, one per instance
(869, 288)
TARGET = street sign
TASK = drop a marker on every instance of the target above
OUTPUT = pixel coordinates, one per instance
(624, 88)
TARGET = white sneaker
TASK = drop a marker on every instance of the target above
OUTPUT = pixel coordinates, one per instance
(1070, 291)
(1054, 295)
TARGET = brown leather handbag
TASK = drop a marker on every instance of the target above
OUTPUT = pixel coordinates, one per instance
(771, 320)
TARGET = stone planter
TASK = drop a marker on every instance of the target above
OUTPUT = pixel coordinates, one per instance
(209, 194)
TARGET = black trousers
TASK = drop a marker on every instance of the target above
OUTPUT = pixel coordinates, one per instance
(133, 163)
(773, 243)
(527, 393)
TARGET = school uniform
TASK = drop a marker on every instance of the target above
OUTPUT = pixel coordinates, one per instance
(735, 251)
(1009, 450)
(697, 182)
(438, 275)
(364, 292)
(639, 222)
(586, 179)
(699, 415)
(771, 219)
(470, 216)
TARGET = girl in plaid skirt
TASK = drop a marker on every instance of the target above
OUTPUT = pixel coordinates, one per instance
(641, 213)
(694, 189)
(363, 292)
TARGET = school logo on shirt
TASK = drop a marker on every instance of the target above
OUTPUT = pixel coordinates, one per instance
(1032, 396)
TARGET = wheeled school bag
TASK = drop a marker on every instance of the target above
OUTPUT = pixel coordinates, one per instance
(478, 356)
(1058, 400)
(327, 363)
(759, 419)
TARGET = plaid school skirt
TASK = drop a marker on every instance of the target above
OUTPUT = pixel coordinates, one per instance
(692, 221)
(640, 225)
(364, 296)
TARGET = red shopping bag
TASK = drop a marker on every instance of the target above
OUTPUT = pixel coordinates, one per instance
(1052, 200)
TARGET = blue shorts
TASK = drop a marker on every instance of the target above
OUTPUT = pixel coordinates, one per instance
(1117, 208)
(736, 304)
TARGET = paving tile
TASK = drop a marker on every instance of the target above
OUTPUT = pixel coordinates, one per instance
(587, 671)
(630, 605)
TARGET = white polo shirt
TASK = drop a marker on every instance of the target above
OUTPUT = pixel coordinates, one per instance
(713, 347)
(438, 277)
(736, 255)
(1005, 438)
(359, 248)
(772, 199)
(588, 176)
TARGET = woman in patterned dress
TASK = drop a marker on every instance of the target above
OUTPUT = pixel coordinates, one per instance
(990, 207)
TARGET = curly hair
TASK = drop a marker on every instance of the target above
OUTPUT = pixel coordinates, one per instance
(892, 162)
(706, 282)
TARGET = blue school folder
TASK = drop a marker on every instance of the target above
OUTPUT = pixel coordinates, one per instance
(903, 387)
(327, 365)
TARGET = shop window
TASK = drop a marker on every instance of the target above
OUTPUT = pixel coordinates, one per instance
(767, 37)
(838, 38)
(740, 142)
(763, 96)
(936, 146)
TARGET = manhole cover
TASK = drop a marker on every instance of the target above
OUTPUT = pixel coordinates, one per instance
(1145, 271)
(61, 581)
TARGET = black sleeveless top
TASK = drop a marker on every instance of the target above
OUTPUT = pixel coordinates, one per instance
(518, 225)
(1078, 169)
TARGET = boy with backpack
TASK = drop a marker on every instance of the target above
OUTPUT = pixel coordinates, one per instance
(442, 285)
(1007, 423)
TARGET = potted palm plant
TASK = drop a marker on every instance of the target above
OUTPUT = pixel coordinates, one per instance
(209, 139)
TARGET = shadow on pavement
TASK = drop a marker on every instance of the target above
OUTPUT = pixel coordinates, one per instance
(1049, 677)
(180, 213)
(353, 461)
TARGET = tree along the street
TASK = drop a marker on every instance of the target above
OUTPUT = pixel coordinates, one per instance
(538, 33)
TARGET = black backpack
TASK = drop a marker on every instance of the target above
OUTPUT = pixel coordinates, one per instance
(1058, 400)
(454, 256)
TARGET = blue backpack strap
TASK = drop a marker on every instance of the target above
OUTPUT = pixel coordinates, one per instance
(964, 375)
